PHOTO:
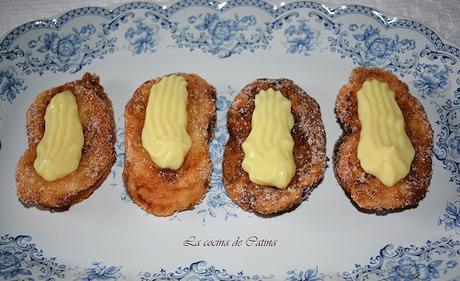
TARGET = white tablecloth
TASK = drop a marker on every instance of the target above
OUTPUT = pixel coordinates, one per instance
(443, 16)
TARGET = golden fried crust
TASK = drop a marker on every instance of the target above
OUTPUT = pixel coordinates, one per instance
(163, 191)
(309, 150)
(98, 154)
(364, 189)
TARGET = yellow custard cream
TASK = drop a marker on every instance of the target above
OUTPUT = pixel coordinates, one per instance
(384, 149)
(268, 157)
(59, 151)
(165, 135)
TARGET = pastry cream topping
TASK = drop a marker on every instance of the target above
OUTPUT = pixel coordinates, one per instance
(384, 149)
(59, 151)
(268, 157)
(164, 135)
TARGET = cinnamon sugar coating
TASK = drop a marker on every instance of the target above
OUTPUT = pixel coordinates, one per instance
(364, 189)
(98, 154)
(163, 191)
(309, 150)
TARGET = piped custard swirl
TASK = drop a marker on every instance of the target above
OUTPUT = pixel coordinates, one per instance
(59, 151)
(384, 149)
(268, 149)
(164, 134)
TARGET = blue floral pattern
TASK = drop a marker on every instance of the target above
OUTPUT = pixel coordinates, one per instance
(408, 269)
(311, 274)
(221, 36)
(15, 53)
(426, 263)
(447, 143)
(367, 46)
(20, 260)
(142, 38)
(10, 84)
(451, 217)
(454, 145)
(217, 201)
(65, 53)
(300, 38)
(431, 80)
(10, 263)
(66, 48)
(117, 168)
(198, 271)
(99, 272)
(120, 147)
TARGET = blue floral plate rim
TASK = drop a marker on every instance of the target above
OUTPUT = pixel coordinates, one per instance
(19, 257)
(220, 6)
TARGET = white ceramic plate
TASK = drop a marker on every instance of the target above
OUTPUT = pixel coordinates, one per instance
(107, 237)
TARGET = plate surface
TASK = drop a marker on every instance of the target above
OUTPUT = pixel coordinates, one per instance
(107, 237)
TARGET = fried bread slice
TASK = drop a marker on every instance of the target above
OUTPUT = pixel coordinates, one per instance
(163, 192)
(98, 153)
(309, 150)
(364, 189)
